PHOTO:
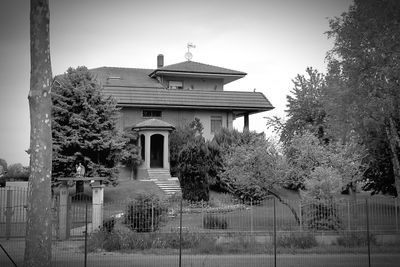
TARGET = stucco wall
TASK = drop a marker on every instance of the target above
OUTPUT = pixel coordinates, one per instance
(177, 117)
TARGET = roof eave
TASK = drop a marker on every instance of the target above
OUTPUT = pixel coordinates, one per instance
(195, 73)
(169, 106)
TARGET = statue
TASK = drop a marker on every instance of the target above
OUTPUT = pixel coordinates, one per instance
(80, 170)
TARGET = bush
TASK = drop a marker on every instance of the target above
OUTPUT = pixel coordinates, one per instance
(193, 171)
(123, 240)
(297, 240)
(211, 221)
(144, 213)
(320, 215)
(355, 239)
(108, 225)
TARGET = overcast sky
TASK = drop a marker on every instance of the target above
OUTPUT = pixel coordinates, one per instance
(271, 40)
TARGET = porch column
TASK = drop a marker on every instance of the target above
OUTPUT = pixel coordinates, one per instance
(246, 122)
(166, 152)
(147, 150)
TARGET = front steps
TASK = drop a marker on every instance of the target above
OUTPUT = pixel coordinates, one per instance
(162, 178)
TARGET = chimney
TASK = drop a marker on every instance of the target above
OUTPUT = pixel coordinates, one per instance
(160, 61)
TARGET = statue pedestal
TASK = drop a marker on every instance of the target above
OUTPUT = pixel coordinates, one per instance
(63, 231)
(97, 205)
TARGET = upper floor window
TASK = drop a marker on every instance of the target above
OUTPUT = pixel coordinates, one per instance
(150, 113)
(216, 124)
(175, 85)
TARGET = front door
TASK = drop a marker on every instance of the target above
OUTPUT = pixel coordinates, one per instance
(156, 151)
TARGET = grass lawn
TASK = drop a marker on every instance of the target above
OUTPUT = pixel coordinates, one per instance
(248, 218)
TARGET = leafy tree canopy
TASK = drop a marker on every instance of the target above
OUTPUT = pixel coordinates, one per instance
(366, 63)
(305, 110)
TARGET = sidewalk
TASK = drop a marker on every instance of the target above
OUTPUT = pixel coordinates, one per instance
(69, 254)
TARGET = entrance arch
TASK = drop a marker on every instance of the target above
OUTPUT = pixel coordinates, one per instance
(154, 150)
(157, 151)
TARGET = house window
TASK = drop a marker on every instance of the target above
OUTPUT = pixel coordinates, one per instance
(216, 124)
(149, 113)
(175, 85)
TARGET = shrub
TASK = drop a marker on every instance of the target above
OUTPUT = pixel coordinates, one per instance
(355, 239)
(179, 138)
(123, 240)
(211, 221)
(144, 213)
(193, 170)
(108, 225)
(297, 240)
(319, 215)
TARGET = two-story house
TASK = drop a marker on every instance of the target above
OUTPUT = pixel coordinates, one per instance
(154, 101)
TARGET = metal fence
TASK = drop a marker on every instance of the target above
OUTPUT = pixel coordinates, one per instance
(221, 232)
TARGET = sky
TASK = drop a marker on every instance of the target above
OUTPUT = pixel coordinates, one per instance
(271, 40)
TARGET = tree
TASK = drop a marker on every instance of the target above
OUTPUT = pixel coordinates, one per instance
(306, 153)
(367, 54)
(251, 170)
(193, 170)
(3, 164)
(321, 172)
(84, 127)
(38, 226)
(130, 152)
(305, 108)
(179, 138)
(17, 171)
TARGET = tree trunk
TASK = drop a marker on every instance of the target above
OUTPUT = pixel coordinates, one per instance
(394, 143)
(38, 231)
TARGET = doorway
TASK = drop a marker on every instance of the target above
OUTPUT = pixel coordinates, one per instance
(156, 151)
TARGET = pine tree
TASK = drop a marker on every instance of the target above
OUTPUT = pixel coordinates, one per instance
(84, 127)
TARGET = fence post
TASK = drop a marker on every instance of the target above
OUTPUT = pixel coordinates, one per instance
(202, 212)
(274, 232)
(9, 213)
(86, 231)
(63, 229)
(348, 215)
(180, 234)
(251, 216)
(396, 215)
(368, 241)
(152, 216)
(300, 217)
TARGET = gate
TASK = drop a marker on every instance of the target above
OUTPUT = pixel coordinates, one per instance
(13, 211)
(79, 214)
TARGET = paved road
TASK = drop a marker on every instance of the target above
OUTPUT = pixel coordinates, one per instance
(67, 256)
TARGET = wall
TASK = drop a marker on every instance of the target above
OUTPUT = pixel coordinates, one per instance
(178, 117)
(202, 84)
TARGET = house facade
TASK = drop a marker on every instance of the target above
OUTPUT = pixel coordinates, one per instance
(154, 101)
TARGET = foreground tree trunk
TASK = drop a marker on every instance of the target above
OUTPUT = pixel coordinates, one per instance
(38, 231)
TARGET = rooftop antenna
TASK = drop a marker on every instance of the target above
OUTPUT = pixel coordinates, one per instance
(189, 55)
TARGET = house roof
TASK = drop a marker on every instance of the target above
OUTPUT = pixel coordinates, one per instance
(239, 102)
(196, 69)
(132, 77)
